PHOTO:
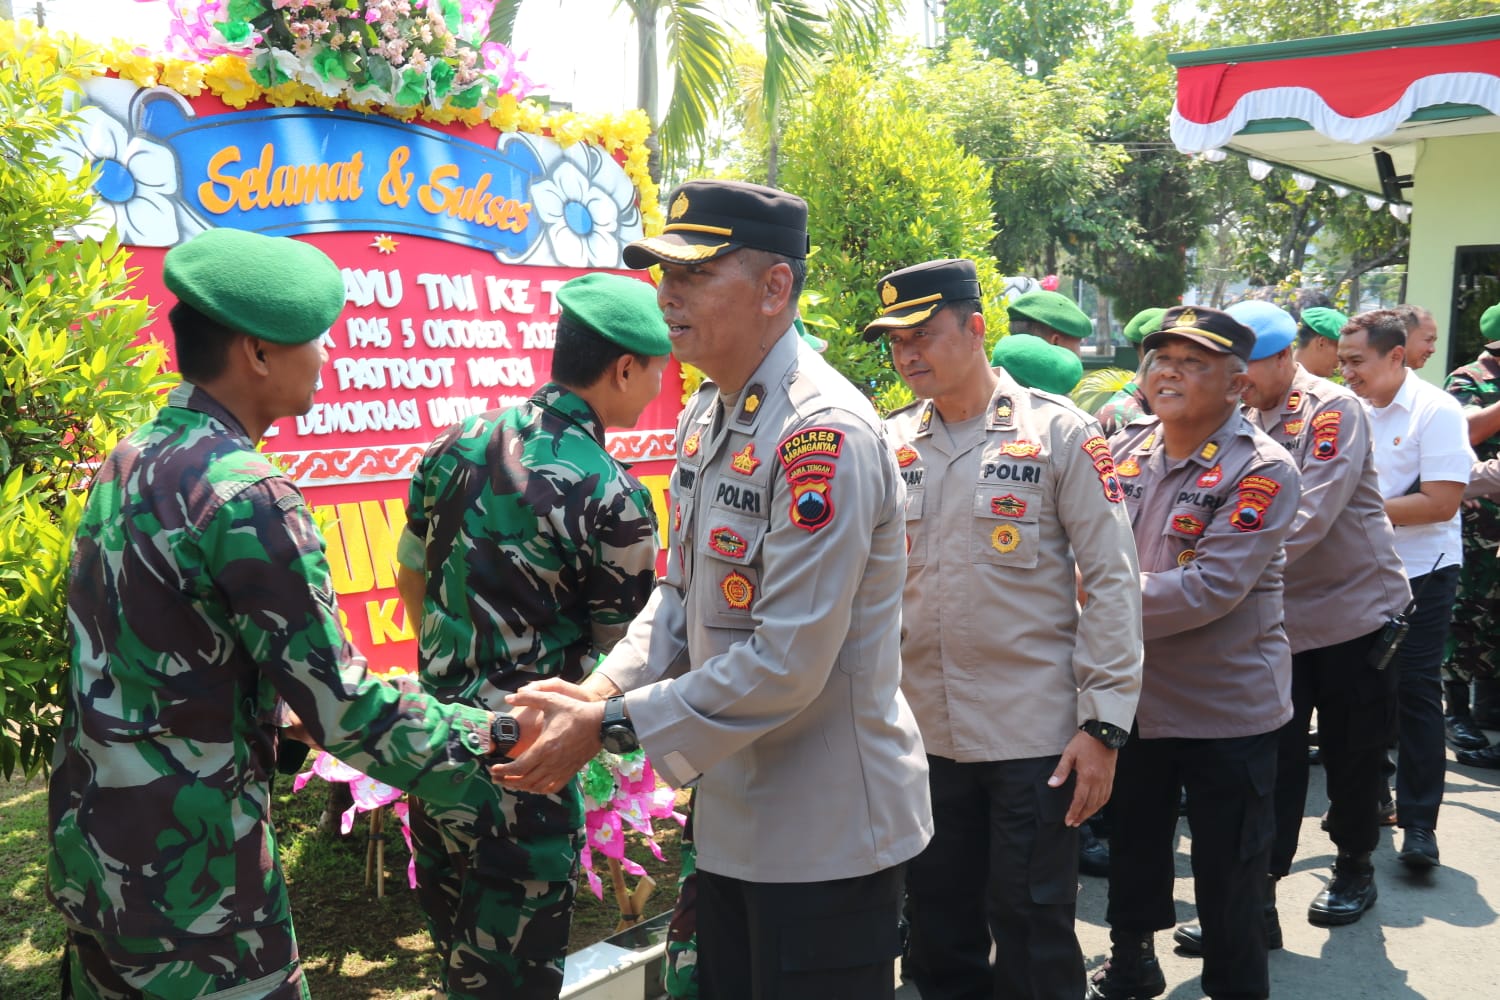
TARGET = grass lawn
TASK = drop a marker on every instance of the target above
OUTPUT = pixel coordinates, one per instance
(354, 946)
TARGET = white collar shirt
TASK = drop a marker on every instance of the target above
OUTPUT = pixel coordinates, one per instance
(1421, 436)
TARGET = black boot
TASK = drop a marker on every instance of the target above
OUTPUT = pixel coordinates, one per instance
(1346, 898)
(1487, 702)
(1132, 971)
(1458, 724)
(1189, 937)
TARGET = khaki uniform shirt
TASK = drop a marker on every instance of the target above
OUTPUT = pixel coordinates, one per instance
(1209, 529)
(997, 661)
(767, 664)
(1343, 577)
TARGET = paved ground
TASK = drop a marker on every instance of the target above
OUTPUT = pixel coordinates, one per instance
(1435, 937)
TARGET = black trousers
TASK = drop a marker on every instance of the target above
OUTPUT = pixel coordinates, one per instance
(835, 940)
(1356, 718)
(1001, 867)
(1422, 760)
(1229, 791)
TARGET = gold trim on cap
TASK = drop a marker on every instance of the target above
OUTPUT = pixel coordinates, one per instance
(913, 302)
(678, 227)
(681, 253)
(1193, 331)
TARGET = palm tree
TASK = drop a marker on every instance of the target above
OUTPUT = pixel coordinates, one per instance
(699, 58)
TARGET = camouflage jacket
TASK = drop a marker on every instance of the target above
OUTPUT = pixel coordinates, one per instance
(538, 548)
(1475, 386)
(198, 596)
(1120, 409)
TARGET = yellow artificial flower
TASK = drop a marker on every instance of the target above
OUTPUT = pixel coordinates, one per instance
(140, 70)
(182, 76)
(229, 79)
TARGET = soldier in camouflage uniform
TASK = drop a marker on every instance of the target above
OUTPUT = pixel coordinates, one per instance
(527, 552)
(1130, 402)
(1475, 627)
(200, 614)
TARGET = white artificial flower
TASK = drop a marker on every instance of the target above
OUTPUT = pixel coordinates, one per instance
(137, 179)
(585, 204)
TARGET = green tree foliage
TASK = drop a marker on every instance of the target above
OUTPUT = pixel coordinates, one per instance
(1039, 139)
(73, 382)
(1035, 35)
(887, 186)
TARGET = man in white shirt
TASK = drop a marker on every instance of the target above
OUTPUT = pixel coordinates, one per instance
(1422, 458)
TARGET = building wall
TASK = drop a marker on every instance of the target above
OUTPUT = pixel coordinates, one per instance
(1453, 205)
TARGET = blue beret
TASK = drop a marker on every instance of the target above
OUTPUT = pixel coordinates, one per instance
(1274, 327)
(271, 287)
(621, 310)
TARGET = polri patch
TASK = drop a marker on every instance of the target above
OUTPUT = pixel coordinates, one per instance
(812, 496)
(1213, 477)
(1021, 449)
(1129, 468)
(690, 446)
(1187, 524)
(1293, 427)
(1254, 499)
(905, 455)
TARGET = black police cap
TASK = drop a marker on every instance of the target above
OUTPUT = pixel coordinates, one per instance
(1210, 328)
(911, 295)
(708, 219)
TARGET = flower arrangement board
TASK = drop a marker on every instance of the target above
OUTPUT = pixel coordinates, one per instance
(455, 206)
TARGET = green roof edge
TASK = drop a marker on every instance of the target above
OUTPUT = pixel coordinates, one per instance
(1473, 29)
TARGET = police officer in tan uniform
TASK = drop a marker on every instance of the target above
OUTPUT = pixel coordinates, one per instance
(766, 665)
(1343, 584)
(1211, 500)
(1022, 699)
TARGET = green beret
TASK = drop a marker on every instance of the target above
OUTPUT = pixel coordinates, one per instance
(621, 310)
(1323, 321)
(1489, 323)
(271, 287)
(1144, 322)
(1055, 310)
(1037, 364)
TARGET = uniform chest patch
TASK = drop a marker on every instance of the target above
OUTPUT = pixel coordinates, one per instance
(1009, 505)
(1005, 538)
(727, 542)
(1186, 556)
(1187, 524)
(905, 455)
(738, 497)
(1213, 477)
(813, 441)
(1021, 449)
(1293, 427)
(1129, 468)
(690, 446)
(744, 461)
(738, 591)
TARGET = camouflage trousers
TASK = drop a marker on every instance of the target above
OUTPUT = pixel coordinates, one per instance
(497, 890)
(680, 975)
(1475, 629)
(256, 964)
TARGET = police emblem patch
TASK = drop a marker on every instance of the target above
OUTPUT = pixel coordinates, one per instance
(727, 542)
(1021, 449)
(1325, 428)
(1254, 499)
(1104, 464)
(812, 501)
(1129, 468)
(738, 591)
(680, 206)
(1005, 538)
(744, 461)
(1213, 477)
(1293, 427)
(690, 446)
(1009, 505)
(888, 293)
(813, 441)
(1186, 556)
(905, 455)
